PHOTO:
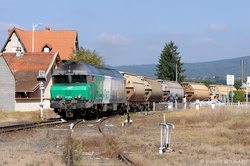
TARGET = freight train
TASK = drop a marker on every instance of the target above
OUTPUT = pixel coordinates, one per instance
(81, 89)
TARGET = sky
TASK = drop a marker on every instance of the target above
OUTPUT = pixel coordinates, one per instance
(134, 32)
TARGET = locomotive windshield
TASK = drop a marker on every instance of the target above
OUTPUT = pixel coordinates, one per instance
(69, 79)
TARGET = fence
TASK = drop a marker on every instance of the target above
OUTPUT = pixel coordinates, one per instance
(170, 106)
(30, 104)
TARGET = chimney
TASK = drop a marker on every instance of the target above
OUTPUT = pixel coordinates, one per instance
(9, 31)
(47, 28)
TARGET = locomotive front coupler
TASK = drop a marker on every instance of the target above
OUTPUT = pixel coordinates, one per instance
(69, 113)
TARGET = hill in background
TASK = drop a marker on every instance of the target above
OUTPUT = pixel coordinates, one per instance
(193, 70)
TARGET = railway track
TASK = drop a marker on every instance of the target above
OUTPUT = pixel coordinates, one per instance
(121, 155)
(24, 126)
(70, 161)
(17, 127)
(105, 134)
(70, 140)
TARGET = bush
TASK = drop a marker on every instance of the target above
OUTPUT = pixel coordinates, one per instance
(238, 96)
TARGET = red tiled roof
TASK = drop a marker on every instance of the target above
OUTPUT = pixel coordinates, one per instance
(63, 41)
(26, 68)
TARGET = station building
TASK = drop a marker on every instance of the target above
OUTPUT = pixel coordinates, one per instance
(24, 54)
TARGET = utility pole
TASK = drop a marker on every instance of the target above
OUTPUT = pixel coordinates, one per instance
(176, 73)
(242, 72)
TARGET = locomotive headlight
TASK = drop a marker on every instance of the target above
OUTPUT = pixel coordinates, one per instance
(58, 97)
(78, 97)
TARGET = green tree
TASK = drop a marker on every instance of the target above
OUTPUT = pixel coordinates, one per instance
(87, 56)
(237, 84)
(238, 96)
(169, 60)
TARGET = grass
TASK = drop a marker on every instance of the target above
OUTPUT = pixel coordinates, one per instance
(76, 148)
(4, 115)
(55, 137)
(206, 136)
(199, 135)
(8, 118)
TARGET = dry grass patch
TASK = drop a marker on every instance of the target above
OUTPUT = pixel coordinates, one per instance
(14, 117)
(28, 148)
(213, 136)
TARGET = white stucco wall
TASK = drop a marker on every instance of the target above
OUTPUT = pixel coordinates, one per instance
(13, 44)
(7, 87)
(24, 105)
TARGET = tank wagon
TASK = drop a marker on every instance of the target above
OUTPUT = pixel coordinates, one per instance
(171, 89)
(141, 92)
(80, 89)
(194, 91)
(153, 92)
(135, 89)
(156, 91)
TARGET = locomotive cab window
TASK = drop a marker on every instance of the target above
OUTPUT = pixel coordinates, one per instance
(69, 79)
(60, 79)
(78, 79)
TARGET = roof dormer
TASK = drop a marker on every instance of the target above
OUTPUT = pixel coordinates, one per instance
(46, 48)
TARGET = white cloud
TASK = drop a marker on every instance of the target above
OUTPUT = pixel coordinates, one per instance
(4, 31)
(5, 25)
(116, 39)
(218, 27)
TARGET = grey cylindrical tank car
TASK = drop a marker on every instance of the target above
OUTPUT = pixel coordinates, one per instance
(171, 89)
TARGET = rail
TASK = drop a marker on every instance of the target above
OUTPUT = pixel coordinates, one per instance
(12, 128)
(105, 135)
(70, 161)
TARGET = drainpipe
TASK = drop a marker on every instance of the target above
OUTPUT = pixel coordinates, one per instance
(26, 94)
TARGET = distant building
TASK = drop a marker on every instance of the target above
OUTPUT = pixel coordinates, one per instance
(25, 68)
(7, 87)
(63, 41)
(221, 91)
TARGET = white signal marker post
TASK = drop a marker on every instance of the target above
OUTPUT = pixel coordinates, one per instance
(247, 85)
(166, 132)
(42, 78)
(230, 82)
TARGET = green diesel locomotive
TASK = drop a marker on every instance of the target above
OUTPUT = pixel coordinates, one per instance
(81, 89)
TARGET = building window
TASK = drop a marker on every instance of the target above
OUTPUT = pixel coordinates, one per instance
(46, 49)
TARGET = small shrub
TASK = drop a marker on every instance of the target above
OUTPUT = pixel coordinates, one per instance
(77, 154)
(54, 137)
(238, 96)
